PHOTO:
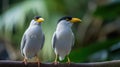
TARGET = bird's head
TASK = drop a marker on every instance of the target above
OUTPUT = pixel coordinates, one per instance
(38, 19)
(70, 19)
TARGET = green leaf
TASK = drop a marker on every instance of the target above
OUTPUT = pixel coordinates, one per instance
(109, 11)
(81, 54)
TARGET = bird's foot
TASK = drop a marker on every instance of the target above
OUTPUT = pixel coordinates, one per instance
(25, 61)
(68, 62)
(56, 63)
(38, 63)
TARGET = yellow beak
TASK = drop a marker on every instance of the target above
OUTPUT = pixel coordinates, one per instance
(75, 20)
(40, 20)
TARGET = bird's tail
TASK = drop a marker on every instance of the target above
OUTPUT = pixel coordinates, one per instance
(61, 58)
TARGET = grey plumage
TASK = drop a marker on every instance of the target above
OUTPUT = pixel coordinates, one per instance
(32, 40)
(63, 38)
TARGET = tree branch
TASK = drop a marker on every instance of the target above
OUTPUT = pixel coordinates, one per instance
(5, 63)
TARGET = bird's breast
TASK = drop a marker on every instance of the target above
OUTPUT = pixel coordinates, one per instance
(63, 40)
(34, 34)
(64, 32)
(34, 30)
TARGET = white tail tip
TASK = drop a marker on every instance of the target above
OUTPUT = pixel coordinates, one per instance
(61, 58)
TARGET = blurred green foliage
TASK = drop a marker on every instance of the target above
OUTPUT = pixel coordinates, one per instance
(81, 55)
(108, 11)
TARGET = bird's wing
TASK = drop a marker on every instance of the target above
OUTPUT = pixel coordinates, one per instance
(53, 40)
(73, 40)
(23, 41)
(43, 40)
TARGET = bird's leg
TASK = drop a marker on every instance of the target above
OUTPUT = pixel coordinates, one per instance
(38, 61)
(56, 56)
(25, 61)
(68, 60)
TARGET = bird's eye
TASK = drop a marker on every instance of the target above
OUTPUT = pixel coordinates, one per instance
(36, 17)
(67, 19)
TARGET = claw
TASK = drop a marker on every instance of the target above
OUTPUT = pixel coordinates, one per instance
(25, 61)
(68, 60)
(38, 61)
(56, 62)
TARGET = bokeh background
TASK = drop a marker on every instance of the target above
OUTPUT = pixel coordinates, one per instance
(97, 38)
